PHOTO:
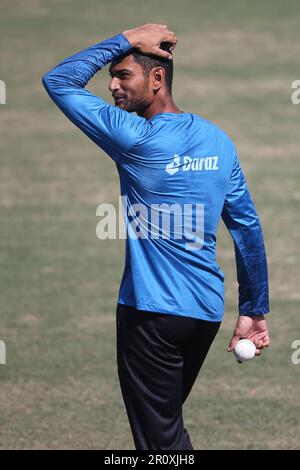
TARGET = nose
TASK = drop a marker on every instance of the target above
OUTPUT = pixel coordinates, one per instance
(114, 84)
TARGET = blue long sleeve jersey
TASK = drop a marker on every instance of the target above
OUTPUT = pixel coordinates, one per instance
(179, 174)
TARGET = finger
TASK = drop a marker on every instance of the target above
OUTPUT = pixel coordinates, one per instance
(171, 38)
(258, 343)
(161, 53)
(257, 352)
(173, 44)
(167, 35)
(157, 25)
(170, 35)
(233, 342)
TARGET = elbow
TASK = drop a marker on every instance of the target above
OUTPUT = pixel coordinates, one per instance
(50, 85)
(46, 81)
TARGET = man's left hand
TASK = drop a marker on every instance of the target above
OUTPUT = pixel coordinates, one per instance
(253, 328)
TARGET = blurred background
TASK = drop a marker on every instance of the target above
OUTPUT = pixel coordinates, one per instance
(234, 64)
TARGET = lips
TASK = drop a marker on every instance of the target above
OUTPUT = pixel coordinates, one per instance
(118, 98)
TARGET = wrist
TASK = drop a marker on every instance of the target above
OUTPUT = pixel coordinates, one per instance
(254, 316)
(129, 35)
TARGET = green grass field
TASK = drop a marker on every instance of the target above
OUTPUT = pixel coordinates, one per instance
(234, 64)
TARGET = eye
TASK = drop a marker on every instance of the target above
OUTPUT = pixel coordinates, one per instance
(120, 75)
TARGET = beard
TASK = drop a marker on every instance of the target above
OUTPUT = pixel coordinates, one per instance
(136, 104)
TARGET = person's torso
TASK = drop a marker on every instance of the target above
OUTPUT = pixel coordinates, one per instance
(173, 186)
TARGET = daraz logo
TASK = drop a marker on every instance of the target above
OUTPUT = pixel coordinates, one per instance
(192, 164)
(173, 167)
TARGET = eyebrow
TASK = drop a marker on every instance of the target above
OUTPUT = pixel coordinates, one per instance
(111, 72)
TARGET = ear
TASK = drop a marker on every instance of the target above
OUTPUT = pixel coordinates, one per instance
(158, 77)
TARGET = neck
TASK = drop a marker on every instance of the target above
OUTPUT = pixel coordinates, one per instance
(160, 106)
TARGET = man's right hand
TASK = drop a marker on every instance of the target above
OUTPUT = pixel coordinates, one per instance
(147, 39)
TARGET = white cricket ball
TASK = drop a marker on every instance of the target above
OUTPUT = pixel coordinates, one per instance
(244, 350)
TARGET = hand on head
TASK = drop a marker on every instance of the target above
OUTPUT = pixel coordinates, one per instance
(154, 39)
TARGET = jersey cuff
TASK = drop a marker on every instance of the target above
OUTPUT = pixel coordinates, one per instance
(125, 44)
(254, 313)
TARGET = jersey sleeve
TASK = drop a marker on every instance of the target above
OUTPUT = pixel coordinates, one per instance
(241, 219)
(111, 128)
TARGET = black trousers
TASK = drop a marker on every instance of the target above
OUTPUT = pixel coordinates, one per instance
(159, 357)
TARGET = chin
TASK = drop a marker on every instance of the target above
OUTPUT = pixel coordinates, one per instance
(121, 106)
(125, 108)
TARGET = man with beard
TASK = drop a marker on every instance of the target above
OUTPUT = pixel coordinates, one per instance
(171, 299)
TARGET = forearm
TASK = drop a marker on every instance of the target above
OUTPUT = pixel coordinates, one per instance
(113, 129)
(252, 270)
(241, 219)
(109, 127)
(78, 69)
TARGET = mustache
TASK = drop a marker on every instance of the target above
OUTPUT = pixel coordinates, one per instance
(116, 96)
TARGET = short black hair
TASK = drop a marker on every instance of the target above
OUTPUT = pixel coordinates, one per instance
(148, 62)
